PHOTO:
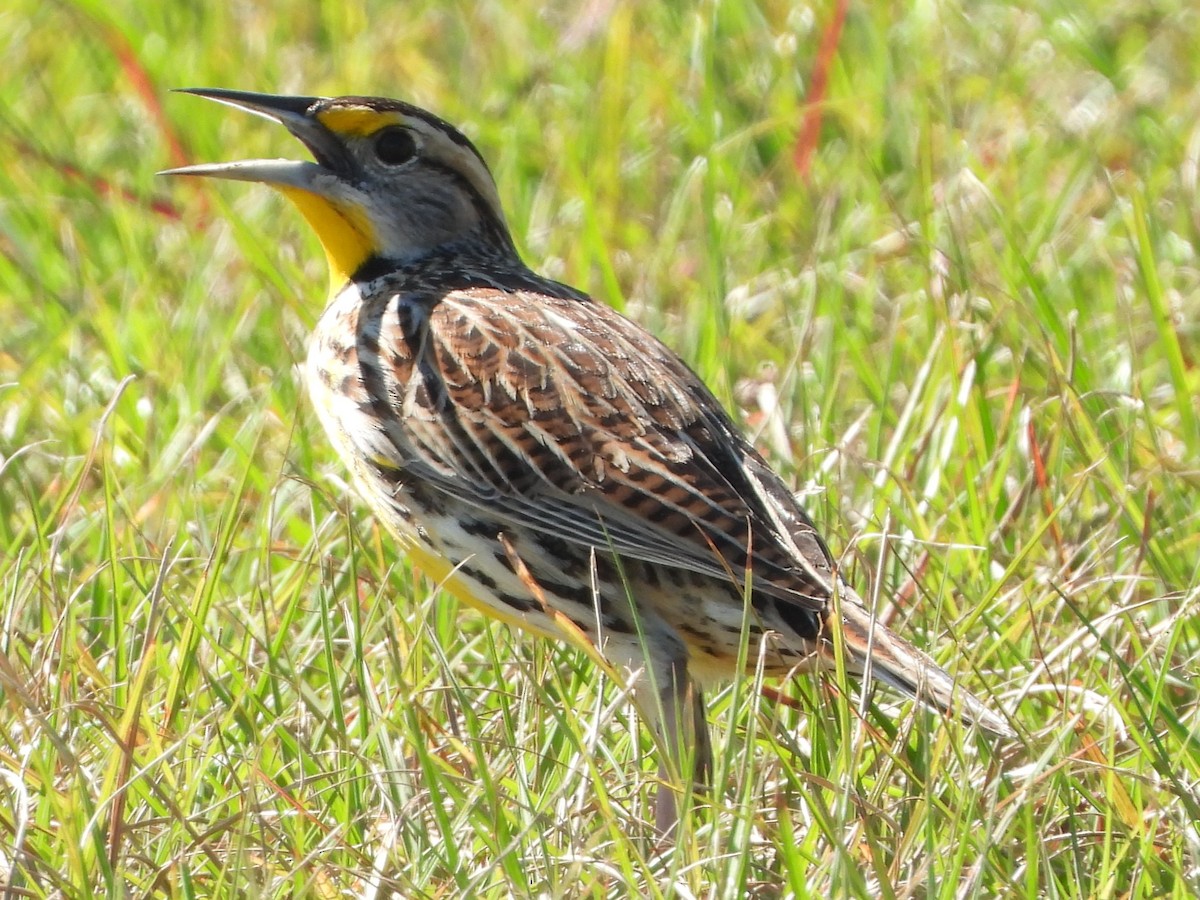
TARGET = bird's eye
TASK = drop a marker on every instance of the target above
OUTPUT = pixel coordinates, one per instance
(395, 146)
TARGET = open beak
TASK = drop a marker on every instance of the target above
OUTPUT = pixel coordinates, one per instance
(294, 114)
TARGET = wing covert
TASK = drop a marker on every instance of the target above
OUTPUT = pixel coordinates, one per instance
(559, 415)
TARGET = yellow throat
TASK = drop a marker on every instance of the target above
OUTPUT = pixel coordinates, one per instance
(344, 231)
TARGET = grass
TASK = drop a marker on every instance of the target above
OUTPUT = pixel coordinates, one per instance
(965, 327)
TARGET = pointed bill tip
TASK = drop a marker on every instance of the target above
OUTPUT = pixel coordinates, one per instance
(286, 172)
(296, 115)
(277, 107)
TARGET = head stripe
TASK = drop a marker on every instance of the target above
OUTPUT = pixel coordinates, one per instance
(358, 121)
(461, 159)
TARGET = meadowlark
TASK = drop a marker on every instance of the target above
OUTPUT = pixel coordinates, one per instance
(539, 455)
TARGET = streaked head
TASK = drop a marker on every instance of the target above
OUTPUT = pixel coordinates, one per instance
(390, 181)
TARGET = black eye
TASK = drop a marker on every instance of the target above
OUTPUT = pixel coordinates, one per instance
(395, 146)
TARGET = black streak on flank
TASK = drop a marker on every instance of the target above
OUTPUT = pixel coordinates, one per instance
(804, 622)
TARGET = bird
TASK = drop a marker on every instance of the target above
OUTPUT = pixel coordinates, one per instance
(542, 457)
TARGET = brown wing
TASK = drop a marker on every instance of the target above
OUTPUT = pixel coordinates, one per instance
(560, 415)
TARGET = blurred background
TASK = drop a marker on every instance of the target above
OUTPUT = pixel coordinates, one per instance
(940, 260)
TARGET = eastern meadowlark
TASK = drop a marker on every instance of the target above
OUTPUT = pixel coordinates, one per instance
(538, 454)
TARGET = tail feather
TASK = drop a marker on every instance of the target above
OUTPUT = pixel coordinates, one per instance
(892, 660)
